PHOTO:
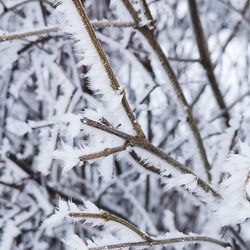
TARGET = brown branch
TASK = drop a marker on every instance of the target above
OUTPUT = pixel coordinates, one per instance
(135, 141)
(21, 35)
(156, 242)
(148, 94)
(205, 58)
(147, 240)
(230, 106)
(110, 217)
(46, 30)
(185, 60)
(151, 39)
(143, 163)
(112, 24)
(104, 153)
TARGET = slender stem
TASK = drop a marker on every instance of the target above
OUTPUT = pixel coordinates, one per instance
(20, 35)
(185, 60)
(230, 106)
(45, 30)
(156, 242)
(103, 153)
(110, 217)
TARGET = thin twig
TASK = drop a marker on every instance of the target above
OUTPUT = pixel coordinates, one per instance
(185, 60)
(205, 58)
(236, 27)
(21, 35)
(148, 241)
(110, 217)
(46, 30)
(104, 153)
(157, 242)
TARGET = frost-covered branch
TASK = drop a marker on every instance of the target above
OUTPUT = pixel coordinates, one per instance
(110, 217)
(90, 213)
(171, 241)
(103, 153)
(205, 58)
(134, 141)
(41, 31)
(167, 68)
(24, 34)
(97, 50)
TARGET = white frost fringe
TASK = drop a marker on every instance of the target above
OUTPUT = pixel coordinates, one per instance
(99, 81)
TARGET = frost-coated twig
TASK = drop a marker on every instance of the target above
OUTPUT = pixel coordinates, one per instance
(147, 240)
(114, 82)
(156, 242)
(103, 153)
(155, 46)
(110, 217)
(34, 32)
(205, 58)
(41, 31)
(135, 141)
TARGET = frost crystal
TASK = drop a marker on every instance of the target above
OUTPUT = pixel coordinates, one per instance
(69, 156)
(235, 189)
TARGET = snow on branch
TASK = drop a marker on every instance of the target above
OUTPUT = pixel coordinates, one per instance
(155, 155)
(118, 238)
(111, 243)
(51, 29)
(102, 79)
(234, 190)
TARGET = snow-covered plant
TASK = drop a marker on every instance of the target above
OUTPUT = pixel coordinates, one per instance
(129, 116)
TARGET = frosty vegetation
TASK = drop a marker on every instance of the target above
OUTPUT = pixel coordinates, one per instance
(125, 124)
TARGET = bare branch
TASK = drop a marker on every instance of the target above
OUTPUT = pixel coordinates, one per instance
(148, 240)
(135, 141)
(46, 30)
(205, 58)
(21, 35)
(236, 28)
(103, 153)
